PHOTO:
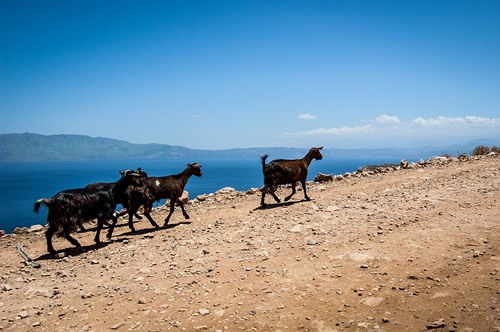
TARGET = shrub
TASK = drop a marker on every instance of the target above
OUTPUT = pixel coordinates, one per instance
(480, 150)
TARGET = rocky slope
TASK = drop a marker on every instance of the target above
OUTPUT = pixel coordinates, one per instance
(379, 250)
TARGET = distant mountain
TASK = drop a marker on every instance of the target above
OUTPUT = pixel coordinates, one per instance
(30, 147)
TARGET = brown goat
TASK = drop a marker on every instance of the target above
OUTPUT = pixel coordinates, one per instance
(284, 171)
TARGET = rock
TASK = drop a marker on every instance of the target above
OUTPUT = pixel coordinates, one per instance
(372, 301)
(203, 311)
(23, 314)
(142, 300)
(358, 257)
(295, 229)
(202, 198)
(252, 191)
(2, 232)
(35, 228)
(225, 190)
(320, 177)
(404, 163)
(436, 324)
(20, 230)
(116, 326)
(6, 287)
(332, 208)
(312, 242)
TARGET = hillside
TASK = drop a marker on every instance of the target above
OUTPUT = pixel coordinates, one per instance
(380, 250)
(29, 147)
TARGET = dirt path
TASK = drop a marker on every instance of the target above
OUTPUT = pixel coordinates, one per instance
(412, 249)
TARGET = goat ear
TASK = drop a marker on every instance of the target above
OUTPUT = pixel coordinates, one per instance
(320, 148)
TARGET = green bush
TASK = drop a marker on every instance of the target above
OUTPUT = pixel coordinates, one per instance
(480, 150)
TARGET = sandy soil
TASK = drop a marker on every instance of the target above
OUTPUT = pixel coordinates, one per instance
(407, 250)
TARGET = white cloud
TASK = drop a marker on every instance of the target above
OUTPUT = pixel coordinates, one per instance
(307, 116)
(386, 130)
(387, 119)
(197, 116)
(345, 130)
(447, 121)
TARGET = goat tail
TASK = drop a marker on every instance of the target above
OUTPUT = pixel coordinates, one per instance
(40, 202)
(263, 160)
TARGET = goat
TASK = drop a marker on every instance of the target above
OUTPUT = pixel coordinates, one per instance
(69, 208)
(171, 187)
(107, 186)
(134, 198)
(283, 171)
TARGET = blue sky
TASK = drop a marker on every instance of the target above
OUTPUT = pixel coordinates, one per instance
(225, 74)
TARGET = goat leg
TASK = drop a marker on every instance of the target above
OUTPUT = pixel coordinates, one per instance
(131, 221)
(167, 219)
(100, 223)
(80, 225)
(147, 209)
(287, 198)
(151, 220)
(305, 191)
(276, 198)
(72, 240)
(110, 229)
(184, 213)
(48, 234)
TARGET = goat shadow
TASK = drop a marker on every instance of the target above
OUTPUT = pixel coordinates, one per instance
(72, 251)
(150, 229)
(282, 204)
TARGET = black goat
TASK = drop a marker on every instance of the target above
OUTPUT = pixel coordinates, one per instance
(108, 185)
(171, 187)
(134, 198)
(69, 208)
(284, 171)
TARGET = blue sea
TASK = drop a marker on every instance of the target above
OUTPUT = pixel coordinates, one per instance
(21, 184)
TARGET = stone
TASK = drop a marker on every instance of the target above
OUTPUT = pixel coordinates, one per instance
(225, 190)
(23, 314)
(320, 177)
(203, 311)
(295, 229)
(6, 287)
(20, 230)
(116, 326)
(35, 228)
(372, 301)
(436, 324)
